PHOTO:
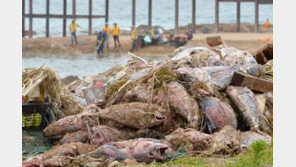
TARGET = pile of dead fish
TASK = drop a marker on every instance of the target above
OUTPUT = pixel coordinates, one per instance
(147, 110)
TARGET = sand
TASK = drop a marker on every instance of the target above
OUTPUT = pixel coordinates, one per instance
(62, 45)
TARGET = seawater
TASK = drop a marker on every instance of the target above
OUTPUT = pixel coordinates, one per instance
(163, 14)
(79, 65)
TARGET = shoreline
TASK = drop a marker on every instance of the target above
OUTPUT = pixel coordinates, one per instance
(63, 46)
(223, 28)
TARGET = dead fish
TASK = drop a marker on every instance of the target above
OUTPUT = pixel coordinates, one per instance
(96, 135)
(58, 129)
(199, 57)
(269, 99)
(111, 152)
(192, 74)
(218, 113)
(148, 150)
(261, 102)
(69, 149)
(220, 76)
(256, 70)
(246, 102)
(226, 141)
(75, 137)
(234, 57)
(142, 149)
(197, 81)
(139, 93)
(101, 135)
(62, 155)
(134, 115)
(142, 93)
(180, 49)
(182, 103)
(249, 137)
(53, 162)
(205, 58)
(190, 140)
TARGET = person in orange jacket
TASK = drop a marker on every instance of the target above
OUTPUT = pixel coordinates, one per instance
(115, 33)
(267, 24)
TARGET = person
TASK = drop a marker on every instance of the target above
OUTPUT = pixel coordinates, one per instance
(101, 38)
(107, 30)
(189, 33)
(134, 39)
(115, 33)
(152, 33)
(73, 30)
(267, 24)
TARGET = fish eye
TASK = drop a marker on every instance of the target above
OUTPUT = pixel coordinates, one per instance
(150, 153)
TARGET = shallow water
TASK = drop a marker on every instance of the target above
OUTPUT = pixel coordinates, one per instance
(79, 65)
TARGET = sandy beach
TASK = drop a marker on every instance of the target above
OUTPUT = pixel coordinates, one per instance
(62, 45)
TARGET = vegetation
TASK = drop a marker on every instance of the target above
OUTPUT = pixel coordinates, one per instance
(114, 87)
(260, 154)
(161, 77)
(187, 161)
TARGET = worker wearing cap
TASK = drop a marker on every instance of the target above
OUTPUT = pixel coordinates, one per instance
(115, 33)
(267, 24)
(134, 39)
(73, 30)
(107, 30)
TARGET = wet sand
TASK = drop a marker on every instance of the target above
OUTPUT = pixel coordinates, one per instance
(62, 45)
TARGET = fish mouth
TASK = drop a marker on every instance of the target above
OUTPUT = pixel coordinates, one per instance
(158, 118)
(161, 152)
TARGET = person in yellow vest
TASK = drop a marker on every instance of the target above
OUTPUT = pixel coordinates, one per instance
(115, 33)
(107, 30)
(73, 30)
(267, 24)
(152, 33)
(134, 39)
